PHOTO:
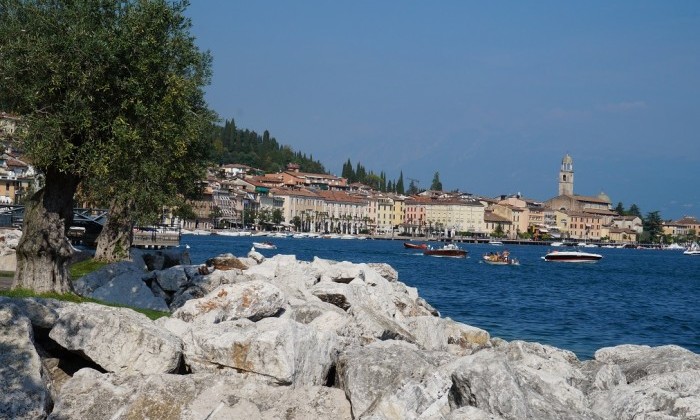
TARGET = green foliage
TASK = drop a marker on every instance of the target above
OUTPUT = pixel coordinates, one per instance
(277, 216)
(653, 226)
(228, 144)
(111, 92)
(82, 268)
(436, 184)
(70, 297)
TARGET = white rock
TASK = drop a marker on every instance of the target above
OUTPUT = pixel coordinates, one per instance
(280, 349)
(118, 339)
(253, 300)
(24, 393)
(91, 395)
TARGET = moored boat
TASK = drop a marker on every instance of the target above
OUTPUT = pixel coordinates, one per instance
(264, 245)
(447, 250)
(571, 256)
(693, 249)
(414, 246)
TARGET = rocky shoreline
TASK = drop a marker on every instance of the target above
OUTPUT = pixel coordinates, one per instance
(280, 338)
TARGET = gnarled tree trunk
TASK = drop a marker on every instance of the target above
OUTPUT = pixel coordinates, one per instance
(43, 251)
(114, 241)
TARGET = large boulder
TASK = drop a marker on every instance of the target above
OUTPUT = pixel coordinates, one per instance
(279, 349)
(22, 380)
(129, 289)
(633, 381)
(521, 380)
(393, 380)
(90, 282)
(117, 339)
(225, 262)
(253, 300)
(43, 313)
(444, 334)
(91, 395)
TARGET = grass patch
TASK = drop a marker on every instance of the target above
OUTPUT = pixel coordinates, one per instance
(71, 297)
(82, 268)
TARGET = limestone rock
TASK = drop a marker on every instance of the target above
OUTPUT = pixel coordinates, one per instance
(280, 349)
(91, 395)
(129, 289)
(225, 262)
(521, 381)
(392, 379)
(385, 270)
(253, 300)
(256, 256)
(87, 284)
(172, 279)
(432, 333)
(24, 393)
(646, 382)
(43, 313)
(118, 339)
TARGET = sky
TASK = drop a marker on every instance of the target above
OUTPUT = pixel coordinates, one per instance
(491, 95)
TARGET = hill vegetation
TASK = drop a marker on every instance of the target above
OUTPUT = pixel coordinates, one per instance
(233, 145)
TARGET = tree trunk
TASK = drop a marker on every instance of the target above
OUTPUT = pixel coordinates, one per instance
(43, 251)
(114, 241)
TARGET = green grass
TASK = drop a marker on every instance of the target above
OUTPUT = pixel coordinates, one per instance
(71, 297)
(82, 268)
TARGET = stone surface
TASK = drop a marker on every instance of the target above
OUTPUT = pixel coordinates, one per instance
(393, 379)
(521, 380)
(172, 279)
(225, 262)
(129, 289)
(24, 391)
(117, 339)
(253, 300)
(280, 349)
(91, 395)
(432, 333)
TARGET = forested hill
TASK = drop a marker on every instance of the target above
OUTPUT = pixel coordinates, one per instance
(233, 145)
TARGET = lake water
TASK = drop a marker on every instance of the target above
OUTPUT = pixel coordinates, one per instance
(629, 297)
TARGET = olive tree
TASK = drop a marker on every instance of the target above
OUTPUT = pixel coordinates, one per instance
(110, 93)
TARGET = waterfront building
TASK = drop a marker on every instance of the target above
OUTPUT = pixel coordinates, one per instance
(380, 211)
(341, 213)
(584, 226)
(493, 221)
(683, 227)
(619, 235)
(628, 222)
(414, 221)
(300, 204)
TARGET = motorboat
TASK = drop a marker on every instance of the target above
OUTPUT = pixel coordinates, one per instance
(415, 246)
(675, 247)
(500, 258)
(571, 256)
(693, 249)
(496, 243)
(447, 250)
(264, 245)
(557, 244)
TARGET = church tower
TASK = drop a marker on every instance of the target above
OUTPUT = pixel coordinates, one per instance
(566, 176)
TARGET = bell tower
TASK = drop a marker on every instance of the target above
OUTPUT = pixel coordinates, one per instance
(566, 176)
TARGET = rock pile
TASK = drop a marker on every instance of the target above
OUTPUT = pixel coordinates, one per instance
(282, 338)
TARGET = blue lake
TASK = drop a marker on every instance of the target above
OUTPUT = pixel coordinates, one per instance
(629, 297)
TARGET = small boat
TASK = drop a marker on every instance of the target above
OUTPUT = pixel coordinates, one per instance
(501, 258)
(571, 256)
(448, 250)
(675, 247)
(264, 245)
(557, 244)
(496, 243)
(693, 249)
(414, 246)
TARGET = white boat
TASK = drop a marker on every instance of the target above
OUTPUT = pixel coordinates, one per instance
(496, 243)
(264, 245)
(347, 237)
(675, 247)
(557, 244)
(571, 256)
(693, 249)
(501, 258)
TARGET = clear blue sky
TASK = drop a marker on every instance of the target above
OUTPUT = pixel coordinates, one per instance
(490, 94)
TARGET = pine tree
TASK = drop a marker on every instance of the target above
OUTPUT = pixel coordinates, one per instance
(399, 185)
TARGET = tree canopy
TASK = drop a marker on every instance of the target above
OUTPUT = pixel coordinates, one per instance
(436, 184)
(110, 91)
